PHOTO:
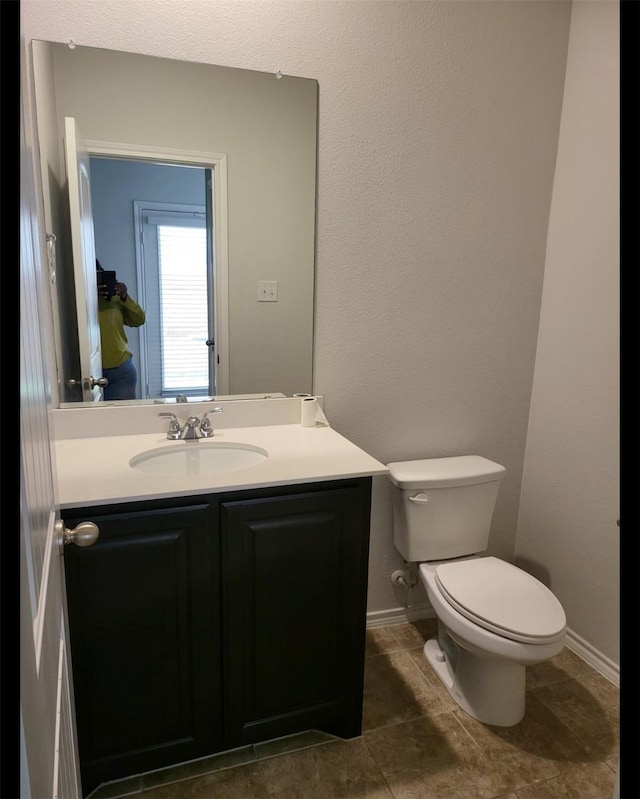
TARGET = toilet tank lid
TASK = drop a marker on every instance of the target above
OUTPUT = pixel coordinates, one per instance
(458, 470)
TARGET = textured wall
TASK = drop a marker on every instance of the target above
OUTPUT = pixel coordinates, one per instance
(438, 129)
(570, 499)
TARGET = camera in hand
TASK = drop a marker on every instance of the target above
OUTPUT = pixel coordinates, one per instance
(107, 278)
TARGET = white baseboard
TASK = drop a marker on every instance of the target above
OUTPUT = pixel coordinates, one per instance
(381, 618)
(593, 657)
(603, 665)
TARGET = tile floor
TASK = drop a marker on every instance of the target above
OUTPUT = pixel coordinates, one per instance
(417, 744)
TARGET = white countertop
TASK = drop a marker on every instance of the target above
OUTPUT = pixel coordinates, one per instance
(96, 471)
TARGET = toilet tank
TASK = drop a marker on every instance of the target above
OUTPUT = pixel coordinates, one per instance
(442, 507)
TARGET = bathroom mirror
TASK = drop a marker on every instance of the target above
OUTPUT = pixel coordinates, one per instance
(225, 157)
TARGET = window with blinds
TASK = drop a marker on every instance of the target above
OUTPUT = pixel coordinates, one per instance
(182, 262)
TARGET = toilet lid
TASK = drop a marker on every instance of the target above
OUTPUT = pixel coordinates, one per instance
(502, 598)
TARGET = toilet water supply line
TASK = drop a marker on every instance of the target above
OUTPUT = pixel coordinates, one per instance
(404, 578)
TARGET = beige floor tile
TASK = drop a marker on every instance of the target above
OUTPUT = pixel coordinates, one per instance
(561, 667)
(333, 771)
(433, 758)
(612, 762)
(291, 743)
(414, 633)
(395, 690)
(589, 706)
(440, 693)
(241, 782)
(590, 781)
(539, 747)
(194, 768)
(380, 640)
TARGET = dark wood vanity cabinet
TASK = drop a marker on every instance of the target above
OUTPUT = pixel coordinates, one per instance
(295, 605)
(145, 626)
(204, 623)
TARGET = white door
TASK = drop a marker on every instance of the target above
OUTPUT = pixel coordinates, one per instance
(175, 281)
(84, 261)
(48, 749)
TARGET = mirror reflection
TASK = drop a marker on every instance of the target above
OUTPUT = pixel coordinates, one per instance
(160, 244)
(196, 184)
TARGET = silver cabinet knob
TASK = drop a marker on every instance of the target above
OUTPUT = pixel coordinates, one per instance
(82, 535)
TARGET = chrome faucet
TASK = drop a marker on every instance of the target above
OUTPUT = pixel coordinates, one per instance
(191, 429)
(174, 431)
(205, 425)
(194, 428)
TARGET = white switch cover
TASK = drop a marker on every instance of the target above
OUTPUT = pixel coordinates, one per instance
(267, 291)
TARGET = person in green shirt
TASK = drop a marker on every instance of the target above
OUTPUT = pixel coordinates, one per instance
(114, 313)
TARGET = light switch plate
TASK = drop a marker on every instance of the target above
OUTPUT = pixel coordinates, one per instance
(267, 291)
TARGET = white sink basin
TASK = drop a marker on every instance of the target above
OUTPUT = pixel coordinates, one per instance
(197, 458)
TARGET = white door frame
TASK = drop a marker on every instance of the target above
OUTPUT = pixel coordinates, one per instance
(217, 162)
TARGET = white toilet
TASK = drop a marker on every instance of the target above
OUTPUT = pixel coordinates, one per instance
(494, 619)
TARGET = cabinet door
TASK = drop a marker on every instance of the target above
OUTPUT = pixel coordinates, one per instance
(144, 624)
(295, 572)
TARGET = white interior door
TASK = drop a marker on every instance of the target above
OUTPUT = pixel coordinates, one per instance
(48, 749)
(84, 260)
(175, 283)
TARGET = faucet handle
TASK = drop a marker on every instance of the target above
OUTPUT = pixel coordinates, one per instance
(173, 433)
(205, 424)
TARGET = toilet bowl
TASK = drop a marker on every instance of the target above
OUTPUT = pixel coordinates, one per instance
(491, 626)
(494, 619)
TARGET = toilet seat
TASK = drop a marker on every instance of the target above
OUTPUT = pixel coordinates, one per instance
(502, 598)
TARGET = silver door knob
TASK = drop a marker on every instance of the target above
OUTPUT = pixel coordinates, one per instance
(101, 381)
(82, 535)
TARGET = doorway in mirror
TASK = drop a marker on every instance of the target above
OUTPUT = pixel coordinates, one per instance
(155, 222)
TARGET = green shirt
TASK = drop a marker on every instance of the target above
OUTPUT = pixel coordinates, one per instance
(113, 315)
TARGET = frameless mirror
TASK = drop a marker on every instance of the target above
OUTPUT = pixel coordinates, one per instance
(197, 186)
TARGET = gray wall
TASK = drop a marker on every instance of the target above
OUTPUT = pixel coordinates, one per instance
(567, 531)
(438, 134)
